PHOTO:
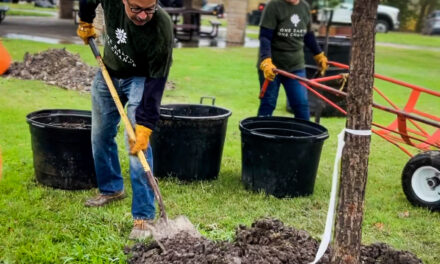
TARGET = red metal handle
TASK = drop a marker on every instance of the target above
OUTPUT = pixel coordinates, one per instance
(263, 89)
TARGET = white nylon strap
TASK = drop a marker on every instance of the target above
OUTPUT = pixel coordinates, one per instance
(326, 236)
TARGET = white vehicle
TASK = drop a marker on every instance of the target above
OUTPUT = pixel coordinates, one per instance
(387, 16)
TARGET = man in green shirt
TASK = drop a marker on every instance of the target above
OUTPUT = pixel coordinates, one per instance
(137, 53)
(285, 28)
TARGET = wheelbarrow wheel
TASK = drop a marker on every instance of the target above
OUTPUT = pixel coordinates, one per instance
(421, 180)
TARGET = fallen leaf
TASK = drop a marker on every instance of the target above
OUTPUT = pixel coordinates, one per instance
(404, 214)
(379, 225)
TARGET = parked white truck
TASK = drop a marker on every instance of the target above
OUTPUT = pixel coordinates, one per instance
(387, 16)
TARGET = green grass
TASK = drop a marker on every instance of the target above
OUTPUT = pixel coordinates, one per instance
(414, 39)
(27, 13)
(45, 225)
(25, 9)
(27, 6)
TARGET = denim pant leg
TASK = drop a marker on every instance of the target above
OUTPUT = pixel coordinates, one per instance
(297, 95)
(105, 119)
(143, 195)
(269, 102)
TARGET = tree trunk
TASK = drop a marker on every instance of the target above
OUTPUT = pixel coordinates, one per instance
(424, 4)
(348, 229)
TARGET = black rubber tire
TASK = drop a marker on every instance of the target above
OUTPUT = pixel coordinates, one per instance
(383, 25)
(428, 158)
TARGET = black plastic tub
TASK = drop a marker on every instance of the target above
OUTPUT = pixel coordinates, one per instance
(339, 50)
(188, 141)
(280, 155)
(62, 150)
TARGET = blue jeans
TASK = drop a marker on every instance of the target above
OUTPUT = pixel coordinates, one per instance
(105, 120)
(295, 92)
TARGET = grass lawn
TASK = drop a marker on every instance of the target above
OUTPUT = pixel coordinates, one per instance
(29, 9)
(44, 225)
(28, 6)
(414, 39)
(27, 13)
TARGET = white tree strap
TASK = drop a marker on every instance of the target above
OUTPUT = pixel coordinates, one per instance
(326, 236)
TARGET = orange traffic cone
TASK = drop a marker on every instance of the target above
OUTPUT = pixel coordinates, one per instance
(5, 59)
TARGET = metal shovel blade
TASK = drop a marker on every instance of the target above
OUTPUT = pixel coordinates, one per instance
(166, 228)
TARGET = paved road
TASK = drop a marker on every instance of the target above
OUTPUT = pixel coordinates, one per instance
(410, 47)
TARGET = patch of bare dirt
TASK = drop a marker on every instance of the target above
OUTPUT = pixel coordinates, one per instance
(266, 241)
(56, 67)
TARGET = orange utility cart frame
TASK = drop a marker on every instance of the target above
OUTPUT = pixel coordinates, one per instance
(398, 132)
(410, 128)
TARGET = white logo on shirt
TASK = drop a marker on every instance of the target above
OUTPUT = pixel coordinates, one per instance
(121, 36)
(295, 19)
(118, 52)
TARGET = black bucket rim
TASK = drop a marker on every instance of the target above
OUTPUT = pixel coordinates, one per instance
(216, 117)
(320, 137)
(59, 112)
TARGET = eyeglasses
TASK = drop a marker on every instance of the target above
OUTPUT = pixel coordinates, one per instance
(149, 11)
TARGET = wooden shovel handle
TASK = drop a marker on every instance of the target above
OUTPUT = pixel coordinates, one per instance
(128, 127)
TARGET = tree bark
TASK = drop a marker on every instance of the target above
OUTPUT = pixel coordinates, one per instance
(424, 4)
(348, 227)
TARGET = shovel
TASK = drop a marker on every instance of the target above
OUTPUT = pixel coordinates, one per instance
(163, 227)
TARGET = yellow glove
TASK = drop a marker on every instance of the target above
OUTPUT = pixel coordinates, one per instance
(267, 67)
(321, 61)
(142, 138)
(85, 31)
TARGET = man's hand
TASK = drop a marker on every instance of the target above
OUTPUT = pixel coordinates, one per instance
(85, 31)
(142, 137)
(267, 67)
(321, 61)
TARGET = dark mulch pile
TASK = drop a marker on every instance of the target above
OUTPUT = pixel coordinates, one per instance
(267, 241)
(57, 67)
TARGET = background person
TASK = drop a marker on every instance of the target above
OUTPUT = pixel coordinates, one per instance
(284, 29)
(137, 54)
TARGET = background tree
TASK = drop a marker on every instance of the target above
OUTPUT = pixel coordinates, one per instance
(425, 7)
(348, 229)
(407, 10)
(413, 10)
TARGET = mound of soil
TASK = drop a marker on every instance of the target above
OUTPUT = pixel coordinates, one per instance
(57, 67)
(266, 241)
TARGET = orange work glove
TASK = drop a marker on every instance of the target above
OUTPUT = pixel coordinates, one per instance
(85, 31)
(267, 67)
(142, 137)
(321, 60)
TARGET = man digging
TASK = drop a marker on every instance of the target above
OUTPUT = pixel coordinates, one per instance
(137, 54)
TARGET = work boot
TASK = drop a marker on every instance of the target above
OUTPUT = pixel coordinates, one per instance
(142, 229)
(103, 199)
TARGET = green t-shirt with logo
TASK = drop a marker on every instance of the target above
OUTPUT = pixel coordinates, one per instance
(132, 50)
(290, 23)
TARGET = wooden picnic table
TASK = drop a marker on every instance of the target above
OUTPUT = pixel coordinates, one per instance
(187, 22)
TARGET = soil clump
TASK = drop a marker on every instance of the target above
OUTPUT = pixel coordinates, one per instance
(59, 67)
(68, 125)
(266, 241)
(56, 67)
